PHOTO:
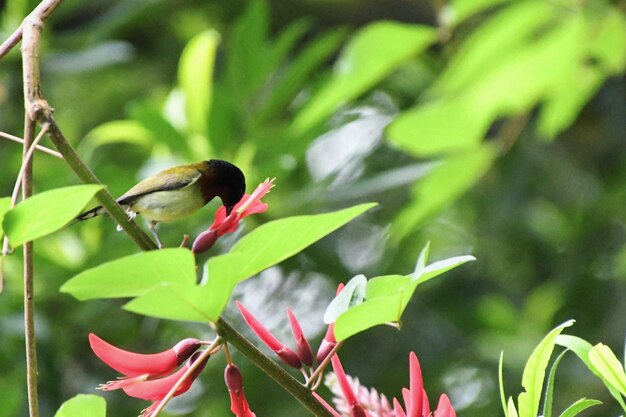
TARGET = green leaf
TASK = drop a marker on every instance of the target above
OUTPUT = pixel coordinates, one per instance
(118, 131)
(300, 70)
(462, 9)
(607, 364)
(265, 246)
(534, 373)
(171, 301)
(195, 77)
(501, 384)
(582, 348)
(372, 54)
(352, 294)
(511, 411)
(436, 128)
(5, 203)
(578, 407)
(83, 405)
(46, 212)
(134, 275)
(547, 403)
(386, 297)
(440, 187)
(608, 45)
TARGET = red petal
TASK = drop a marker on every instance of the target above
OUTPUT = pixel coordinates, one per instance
(260, 330)
(397, 409)
(133, 364)
(444, 407)
(425, 404)
(348, 394)
(157, 389)
(304, 348)
(416, 386)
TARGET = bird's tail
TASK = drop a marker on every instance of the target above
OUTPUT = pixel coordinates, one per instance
(96, 211)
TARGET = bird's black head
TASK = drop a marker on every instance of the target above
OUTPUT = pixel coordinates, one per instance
(224, 180)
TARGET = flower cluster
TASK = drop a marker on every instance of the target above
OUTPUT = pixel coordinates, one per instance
(353, 400)
(141, 371)
(248, 205)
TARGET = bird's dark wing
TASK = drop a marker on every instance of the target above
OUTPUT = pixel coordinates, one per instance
(167, 180)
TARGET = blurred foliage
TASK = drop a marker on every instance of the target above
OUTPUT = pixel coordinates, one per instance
(488, 127)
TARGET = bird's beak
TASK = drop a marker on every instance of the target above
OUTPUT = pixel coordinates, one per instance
(229, 209)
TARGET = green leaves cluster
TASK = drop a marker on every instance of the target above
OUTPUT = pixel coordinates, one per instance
(163, 283)
(599, 359)
(381, 300)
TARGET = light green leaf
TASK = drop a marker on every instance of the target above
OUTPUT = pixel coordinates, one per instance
(547, 403)
(195, 77)
(171, 301)
(511, 412)
(501, 385)
(352, 294)
(265, 246)
(493, 42)
(46, 212)
(582, 348)
(83, 405)
(118, 131)
(609, 43)
(441, 186)
(5, 203)
(134, 275)
(462, 9)
(607, 364)
(534, 373)
(372, 54)
(386, 297)
(441, 127)
(578, 407)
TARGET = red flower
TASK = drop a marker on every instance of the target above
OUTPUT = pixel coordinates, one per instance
(234, 382)
(248, 205)
(136, 366)
(356, 410)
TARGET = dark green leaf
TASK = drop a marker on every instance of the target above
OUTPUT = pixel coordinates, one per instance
(46, 212)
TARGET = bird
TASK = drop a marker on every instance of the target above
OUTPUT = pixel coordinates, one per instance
(179, 192)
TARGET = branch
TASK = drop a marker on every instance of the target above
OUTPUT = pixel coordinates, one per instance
(38, 147)
(271, 368)
(39, 110)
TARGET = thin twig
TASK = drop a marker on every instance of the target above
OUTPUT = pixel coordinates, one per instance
(10, 42)
(204, 356)
(25, 164)
(39, 147)
(325, 362)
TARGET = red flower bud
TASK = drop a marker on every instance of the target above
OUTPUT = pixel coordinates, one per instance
(303, 347)
(328, 343)
(233, 378)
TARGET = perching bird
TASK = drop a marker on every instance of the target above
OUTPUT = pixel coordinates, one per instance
(180, 191)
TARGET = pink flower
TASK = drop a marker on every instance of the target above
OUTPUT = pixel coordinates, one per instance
(248, 205)
(353, 400)
(234, 382)
(136, 366)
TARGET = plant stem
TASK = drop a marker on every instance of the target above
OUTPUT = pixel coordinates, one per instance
(271, 368)
(29, 278)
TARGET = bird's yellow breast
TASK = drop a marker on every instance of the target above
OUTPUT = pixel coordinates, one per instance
(168, 206)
